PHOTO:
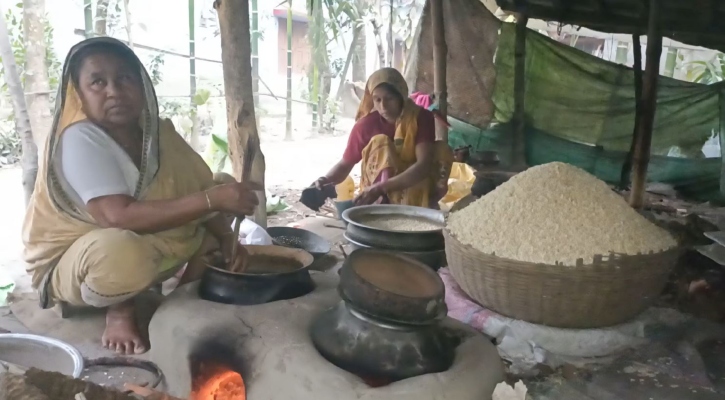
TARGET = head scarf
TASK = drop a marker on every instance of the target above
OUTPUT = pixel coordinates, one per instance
(69, 110)
(406, 127)
(169, 169)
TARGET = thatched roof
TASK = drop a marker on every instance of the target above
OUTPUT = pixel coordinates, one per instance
(695, 22)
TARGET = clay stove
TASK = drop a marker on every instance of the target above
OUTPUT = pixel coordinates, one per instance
(269, 347)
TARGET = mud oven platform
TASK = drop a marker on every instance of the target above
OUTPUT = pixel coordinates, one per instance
(270, 345)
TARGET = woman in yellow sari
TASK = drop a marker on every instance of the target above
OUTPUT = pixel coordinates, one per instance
(402, 163)
(121, 201)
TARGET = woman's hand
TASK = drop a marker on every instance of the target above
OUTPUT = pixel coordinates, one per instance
(370, 195)
(321, 182)
(238, 264)
(234, 198)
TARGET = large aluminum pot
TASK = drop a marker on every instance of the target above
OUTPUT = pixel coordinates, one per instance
(34, 351)
(360, 232)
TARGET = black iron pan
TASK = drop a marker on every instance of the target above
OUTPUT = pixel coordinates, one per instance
(300, 239)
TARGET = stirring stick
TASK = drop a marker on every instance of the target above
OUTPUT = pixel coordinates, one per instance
(252, 142)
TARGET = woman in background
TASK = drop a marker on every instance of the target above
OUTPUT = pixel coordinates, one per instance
(402, 163)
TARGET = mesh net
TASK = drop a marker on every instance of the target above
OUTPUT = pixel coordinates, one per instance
(579, 109)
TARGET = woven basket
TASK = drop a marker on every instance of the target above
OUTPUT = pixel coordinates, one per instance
(610, 291)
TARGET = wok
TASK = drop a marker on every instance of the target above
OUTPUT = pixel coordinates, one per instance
(257, 287)
(300, 239)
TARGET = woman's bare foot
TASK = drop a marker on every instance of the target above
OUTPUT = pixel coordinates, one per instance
(121, 334)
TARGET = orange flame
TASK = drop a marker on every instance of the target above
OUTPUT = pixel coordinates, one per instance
(218, 382)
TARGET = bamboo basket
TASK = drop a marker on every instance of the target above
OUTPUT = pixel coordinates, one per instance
(609, 291)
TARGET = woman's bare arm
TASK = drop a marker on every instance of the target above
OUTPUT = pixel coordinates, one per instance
(125, 212)
(339, 172)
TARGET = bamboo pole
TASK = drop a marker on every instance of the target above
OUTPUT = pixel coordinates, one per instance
(194, 138)
(627, 166)
(643, 137)
(519, 136)
(440, 55)
(288, 122)
(88, 18)
(255, 50)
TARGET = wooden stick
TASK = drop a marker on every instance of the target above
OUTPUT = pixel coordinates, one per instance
(440, 55)
(627, 166)
(519, 117)
(640, 158)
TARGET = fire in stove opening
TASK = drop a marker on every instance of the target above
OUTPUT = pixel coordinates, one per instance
(216, 381)
(215, 375)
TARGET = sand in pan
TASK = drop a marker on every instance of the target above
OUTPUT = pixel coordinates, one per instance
(395, 275)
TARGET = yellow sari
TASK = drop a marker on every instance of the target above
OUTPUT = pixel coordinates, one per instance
(382, 154)
(73, 259)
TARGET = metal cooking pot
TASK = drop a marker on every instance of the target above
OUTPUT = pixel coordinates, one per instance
(376, 350)
(41, 352)
(392, 239)
(421, 306)
(435, 259)
(246, 288)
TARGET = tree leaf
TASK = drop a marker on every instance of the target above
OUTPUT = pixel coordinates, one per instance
(222, 144)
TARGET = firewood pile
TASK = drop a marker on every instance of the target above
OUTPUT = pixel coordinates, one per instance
(35, 384)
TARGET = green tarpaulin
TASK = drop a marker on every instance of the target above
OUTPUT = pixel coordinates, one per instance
(580, 109)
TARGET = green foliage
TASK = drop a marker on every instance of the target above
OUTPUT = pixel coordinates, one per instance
(219, 150)
(707, 72)
(201, 97)
(10, 148)
(154, 68)
(14, 18)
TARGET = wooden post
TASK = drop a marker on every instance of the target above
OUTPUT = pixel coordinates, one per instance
(643, 136)
(440, 54)
(237, 68)
(518, 158)
(627, 166)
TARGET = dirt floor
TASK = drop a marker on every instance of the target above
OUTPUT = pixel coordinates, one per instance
(291, 166)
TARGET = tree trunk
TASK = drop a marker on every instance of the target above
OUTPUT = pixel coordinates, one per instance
(129, 23)
(29, 159)
(378, 42)
(348, 61)
(359, 60)
(391, 40)
(37, 84)
(237, 67)
(99, 23)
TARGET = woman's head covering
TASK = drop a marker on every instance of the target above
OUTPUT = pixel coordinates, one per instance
(392, 77)
(69, 110)
(68, 105)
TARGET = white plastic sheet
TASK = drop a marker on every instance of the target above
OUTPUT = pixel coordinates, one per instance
(252, 234)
